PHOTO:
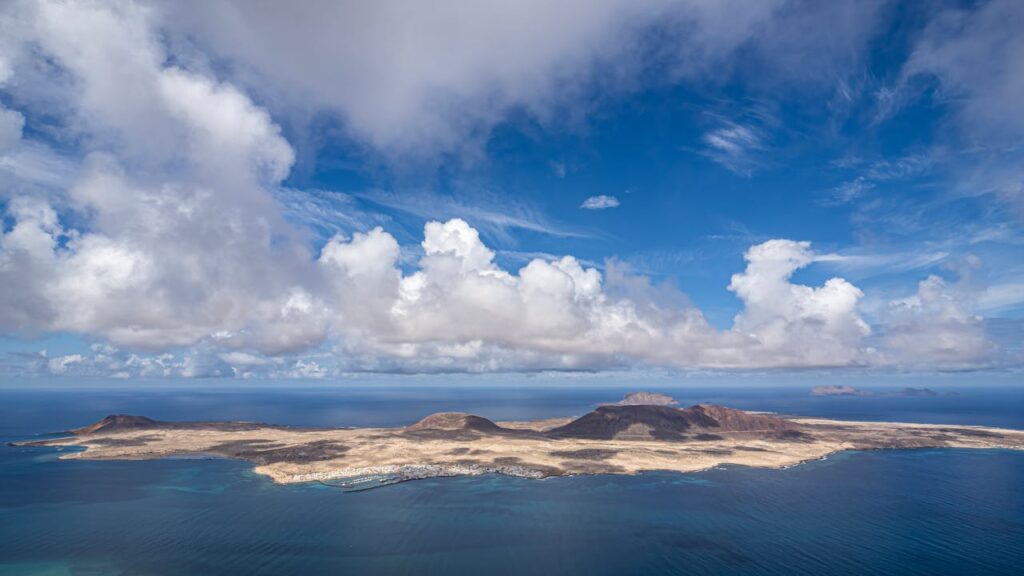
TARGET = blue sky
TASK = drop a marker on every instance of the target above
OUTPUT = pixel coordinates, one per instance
(210, 205)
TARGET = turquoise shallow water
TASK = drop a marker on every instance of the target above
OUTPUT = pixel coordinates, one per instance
(896, 512)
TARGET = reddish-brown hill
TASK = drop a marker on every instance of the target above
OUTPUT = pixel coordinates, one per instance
(667, 423)
(115, 423)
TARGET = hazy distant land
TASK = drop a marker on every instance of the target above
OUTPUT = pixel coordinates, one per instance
(623, 438)
(839, 390)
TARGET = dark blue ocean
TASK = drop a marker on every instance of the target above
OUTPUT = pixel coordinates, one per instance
(894, 512)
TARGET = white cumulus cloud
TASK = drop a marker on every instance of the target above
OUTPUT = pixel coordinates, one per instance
(600, 202)
(459, 310)
(935, 328)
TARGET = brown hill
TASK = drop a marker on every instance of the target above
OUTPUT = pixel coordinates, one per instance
(117, 422)
(732, 420)
(126, 423)
(667, 423)
(454, 421)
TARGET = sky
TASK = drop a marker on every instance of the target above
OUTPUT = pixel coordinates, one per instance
(228, 189)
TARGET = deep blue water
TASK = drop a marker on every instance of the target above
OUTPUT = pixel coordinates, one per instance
(894, 512)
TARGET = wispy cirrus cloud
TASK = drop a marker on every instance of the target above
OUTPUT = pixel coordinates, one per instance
(967, 58)
(325, 212)
(850, 190)
(869, 174)
(494, 214)
(1003, 296)
(734, 146)
(864, 264)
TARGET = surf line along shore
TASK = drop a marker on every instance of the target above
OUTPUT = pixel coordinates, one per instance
(622, 438)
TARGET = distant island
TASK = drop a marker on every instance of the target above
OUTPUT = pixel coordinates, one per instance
(622, 438)
(836, 391)
(851, 391)
(646, 399)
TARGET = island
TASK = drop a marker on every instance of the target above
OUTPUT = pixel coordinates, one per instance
(622, 438)
(836, 390)
(840, 390)
(646, 399)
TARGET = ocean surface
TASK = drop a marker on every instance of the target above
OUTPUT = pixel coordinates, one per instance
(892, 512)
